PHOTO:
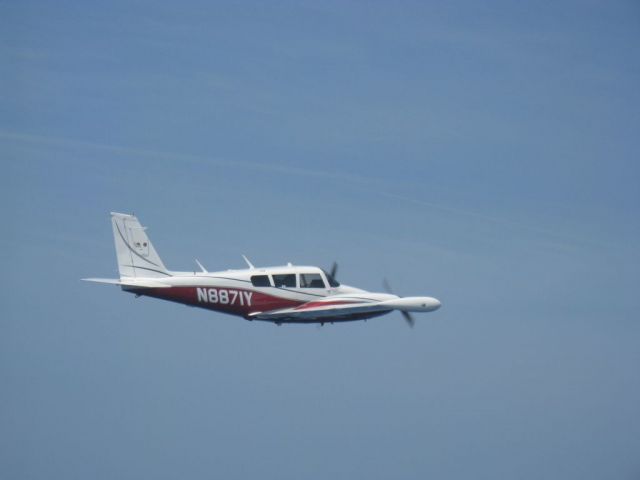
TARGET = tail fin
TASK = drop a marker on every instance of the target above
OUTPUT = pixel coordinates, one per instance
(136, 255)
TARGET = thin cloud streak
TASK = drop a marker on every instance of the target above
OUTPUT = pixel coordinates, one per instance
(362, 182)
(576, 241)
(179, 157)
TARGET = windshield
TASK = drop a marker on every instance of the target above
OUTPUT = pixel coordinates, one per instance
(332, 281)
(311, 280)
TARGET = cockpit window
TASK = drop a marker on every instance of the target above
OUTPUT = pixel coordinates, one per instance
(285, 280)
(260, 281)
(311, 280)
(332, 281)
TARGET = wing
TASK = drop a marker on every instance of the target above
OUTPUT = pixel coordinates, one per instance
(328, 309)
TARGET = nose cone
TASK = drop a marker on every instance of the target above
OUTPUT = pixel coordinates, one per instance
(432, 304)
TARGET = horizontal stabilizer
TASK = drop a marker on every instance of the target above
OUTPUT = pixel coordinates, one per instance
(130, 282)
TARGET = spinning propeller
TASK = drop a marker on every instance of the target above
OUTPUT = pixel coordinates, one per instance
(426, 303)
(407, 316)
(334, 269)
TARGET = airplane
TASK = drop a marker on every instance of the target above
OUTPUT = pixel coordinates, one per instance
(285, 294)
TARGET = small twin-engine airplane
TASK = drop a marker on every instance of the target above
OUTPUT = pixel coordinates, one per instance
(289, 294)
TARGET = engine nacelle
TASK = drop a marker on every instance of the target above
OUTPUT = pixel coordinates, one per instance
(413, 304)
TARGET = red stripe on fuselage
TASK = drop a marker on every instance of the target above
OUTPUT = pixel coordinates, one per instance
(238, 304)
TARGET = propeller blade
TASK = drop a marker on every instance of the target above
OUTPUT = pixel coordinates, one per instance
(334, 269)
(386, 286)
(409, 318)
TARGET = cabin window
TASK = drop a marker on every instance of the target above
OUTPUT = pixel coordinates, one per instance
(285, 280)
(260, 281)
(311, 280)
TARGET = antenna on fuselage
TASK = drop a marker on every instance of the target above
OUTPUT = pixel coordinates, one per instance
(248, 262)
(204, 270)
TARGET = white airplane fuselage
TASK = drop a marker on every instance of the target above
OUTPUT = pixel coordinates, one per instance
(287, 294)
(233, 292)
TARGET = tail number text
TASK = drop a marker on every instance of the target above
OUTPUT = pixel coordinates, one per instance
(224, 296)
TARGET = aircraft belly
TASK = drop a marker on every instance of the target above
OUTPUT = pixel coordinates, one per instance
(339, 318)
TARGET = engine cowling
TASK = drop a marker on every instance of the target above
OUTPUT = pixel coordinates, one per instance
(413, 304)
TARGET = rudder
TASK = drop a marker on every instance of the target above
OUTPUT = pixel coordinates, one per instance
(135, 253)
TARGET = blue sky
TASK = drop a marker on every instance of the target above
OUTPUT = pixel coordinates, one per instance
(483, 154)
